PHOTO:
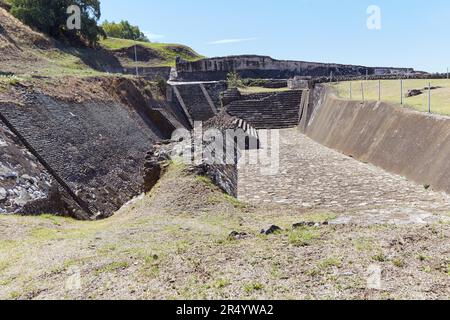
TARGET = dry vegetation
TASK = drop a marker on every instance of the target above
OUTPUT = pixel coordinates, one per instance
(177, 246)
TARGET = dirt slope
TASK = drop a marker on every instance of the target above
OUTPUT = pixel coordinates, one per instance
(26, 52)
(170, 245)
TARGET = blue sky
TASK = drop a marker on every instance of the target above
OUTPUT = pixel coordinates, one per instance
(414, 33)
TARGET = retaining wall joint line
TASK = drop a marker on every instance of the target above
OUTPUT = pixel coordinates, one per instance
(44, 163)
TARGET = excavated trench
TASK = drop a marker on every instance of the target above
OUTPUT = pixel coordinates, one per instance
(86, 159)
(388, 164)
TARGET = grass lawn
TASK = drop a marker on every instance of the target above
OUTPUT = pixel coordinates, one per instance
(390, 92)
(175, 243)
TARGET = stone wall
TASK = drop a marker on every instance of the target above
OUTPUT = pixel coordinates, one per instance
(261, 67)
(197, 101)
(26, 187)
(402, 141)
(241, 135)
(97, 149)
(268, 110)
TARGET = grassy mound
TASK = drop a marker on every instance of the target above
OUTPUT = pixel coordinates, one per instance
(166, 53)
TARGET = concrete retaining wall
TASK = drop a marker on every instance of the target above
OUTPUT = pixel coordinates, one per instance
(412, 144)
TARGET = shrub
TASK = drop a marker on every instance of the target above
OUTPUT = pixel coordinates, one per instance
(234, 80)
(123, 30)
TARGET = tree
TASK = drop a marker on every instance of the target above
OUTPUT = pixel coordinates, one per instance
(50, 17)
(123, 30)
(234, 80)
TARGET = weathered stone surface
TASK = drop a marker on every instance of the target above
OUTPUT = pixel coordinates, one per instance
(201, 100)
(413, 93)
(262, 67)
(96, 148)
(25, 186)
(273, 229)
(315, 177)
(3, 194)
(268, 110)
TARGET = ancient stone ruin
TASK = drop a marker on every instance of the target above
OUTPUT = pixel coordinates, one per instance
(87, 157)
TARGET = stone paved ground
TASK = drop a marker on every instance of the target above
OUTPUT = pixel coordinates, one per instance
(313, 176)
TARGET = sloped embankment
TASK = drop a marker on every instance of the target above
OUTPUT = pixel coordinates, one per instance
(409, 143)
(94, 147)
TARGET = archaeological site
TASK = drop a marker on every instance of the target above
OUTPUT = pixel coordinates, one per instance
(135, 169)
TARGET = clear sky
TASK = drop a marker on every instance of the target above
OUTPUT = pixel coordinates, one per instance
(414, 33)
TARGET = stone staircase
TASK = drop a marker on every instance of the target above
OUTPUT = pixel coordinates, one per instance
(274, 111)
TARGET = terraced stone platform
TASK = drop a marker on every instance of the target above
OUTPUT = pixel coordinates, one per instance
(313, 176)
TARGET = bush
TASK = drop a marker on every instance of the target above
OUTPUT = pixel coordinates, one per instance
(161, 84)
(51, 17)
(123, 30)
(234, 80)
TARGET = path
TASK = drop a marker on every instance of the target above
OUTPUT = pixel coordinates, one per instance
(314, 176)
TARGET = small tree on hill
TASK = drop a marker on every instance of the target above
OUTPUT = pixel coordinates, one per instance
(234, 80)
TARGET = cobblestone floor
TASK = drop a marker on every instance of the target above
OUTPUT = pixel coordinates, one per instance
(313, 176)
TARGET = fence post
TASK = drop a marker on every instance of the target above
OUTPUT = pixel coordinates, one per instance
(351, 96)
(401, 91)
(379, 90)
(429, 97)
(362, 91)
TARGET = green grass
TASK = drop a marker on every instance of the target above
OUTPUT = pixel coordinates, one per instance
(252, 287)
(222, 283)
(302, 237)
(61, 63)
(205, 180)
(380, 257)
(364, 244)
(390, 92)
(167, 51)
(399, 263)
(319, 217)
(9, 80)
(112, 267)
(329, 262)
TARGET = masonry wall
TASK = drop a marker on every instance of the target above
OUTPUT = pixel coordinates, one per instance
(195, 100)
(402, 141)
(97, 148)
(268, 110)
(262, 67)
(26, 187)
